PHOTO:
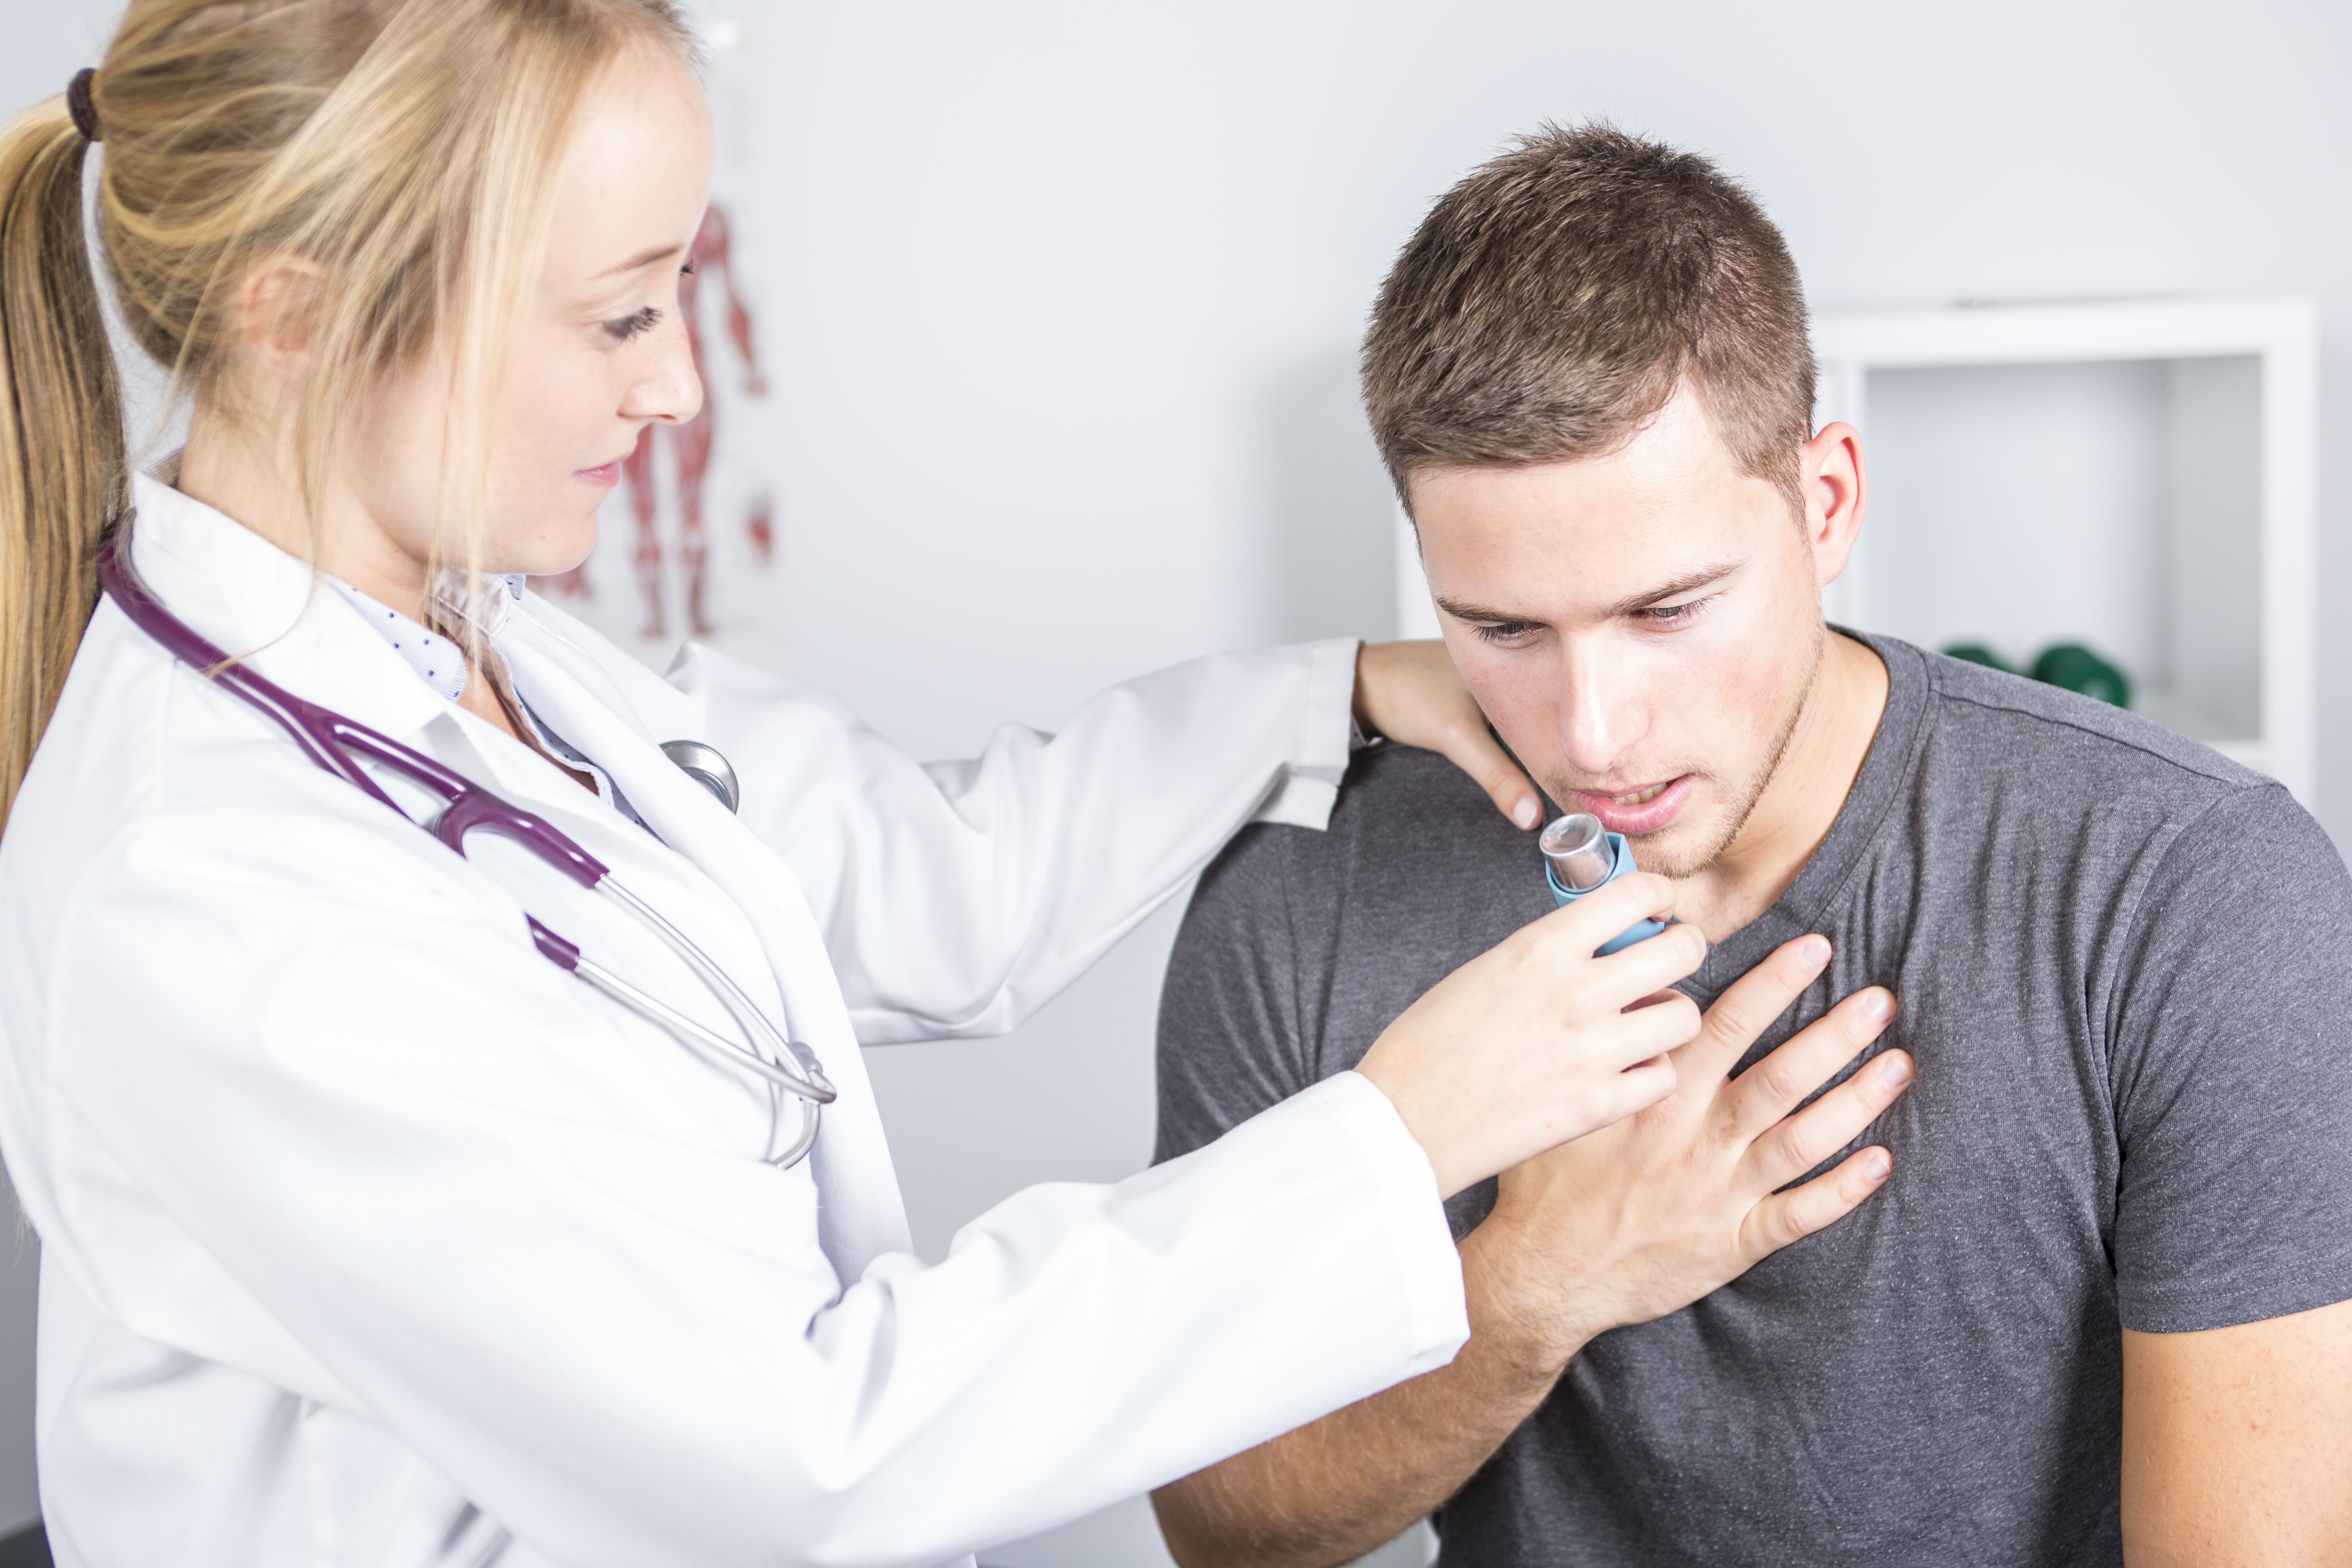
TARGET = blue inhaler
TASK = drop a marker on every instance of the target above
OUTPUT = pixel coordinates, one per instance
(1580, 856)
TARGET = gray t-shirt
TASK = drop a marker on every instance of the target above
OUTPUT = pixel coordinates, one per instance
(2126, 973)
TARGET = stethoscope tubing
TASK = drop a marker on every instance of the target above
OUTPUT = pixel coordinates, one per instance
(330, 740)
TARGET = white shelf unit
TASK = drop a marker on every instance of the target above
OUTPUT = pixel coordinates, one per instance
(2139, 476)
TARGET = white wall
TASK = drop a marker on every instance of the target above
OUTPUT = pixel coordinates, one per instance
(1060, 300)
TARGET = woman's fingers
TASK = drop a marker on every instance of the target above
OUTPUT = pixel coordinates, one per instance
(1780, 1083)
(1798, 1212)
(1803, 1140)
(1475, 751)
(1641, 1086)
(1411, 693)
(1658, 1028)
(1604, 914)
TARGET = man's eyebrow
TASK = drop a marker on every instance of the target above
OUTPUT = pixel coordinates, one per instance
(1684, 583)
(1466, 612)
(642, 258)
(1463, 611)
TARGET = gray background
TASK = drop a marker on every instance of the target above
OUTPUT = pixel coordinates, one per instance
(1060, 302)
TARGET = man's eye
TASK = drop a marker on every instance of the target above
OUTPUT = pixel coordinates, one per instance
(1507, 634)
(630, 326)
(1673, 615)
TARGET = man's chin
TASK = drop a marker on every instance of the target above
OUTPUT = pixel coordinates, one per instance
(1693, 841)
(1679, 851)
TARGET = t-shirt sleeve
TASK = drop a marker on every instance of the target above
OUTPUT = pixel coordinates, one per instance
(1232, 1038)
(2231, 1036)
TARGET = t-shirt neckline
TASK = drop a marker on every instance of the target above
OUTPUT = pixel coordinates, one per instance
(1885, 776)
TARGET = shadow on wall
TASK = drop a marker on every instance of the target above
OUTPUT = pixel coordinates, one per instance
(1332, 508)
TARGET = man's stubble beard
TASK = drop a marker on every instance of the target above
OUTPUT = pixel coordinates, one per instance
(1738, 806)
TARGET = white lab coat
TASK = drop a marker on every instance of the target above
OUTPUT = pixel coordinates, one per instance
(372, 1237)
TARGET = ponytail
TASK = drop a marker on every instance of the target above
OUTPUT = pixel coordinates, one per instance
(62, 460)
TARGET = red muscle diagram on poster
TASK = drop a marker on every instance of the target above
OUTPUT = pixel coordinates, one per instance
(688, 447)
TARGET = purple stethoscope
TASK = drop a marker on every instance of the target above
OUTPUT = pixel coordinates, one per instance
(336, 743)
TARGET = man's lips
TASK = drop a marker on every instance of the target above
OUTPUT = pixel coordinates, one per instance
(1648, 809)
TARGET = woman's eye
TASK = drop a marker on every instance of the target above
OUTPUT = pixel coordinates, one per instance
(630, 325)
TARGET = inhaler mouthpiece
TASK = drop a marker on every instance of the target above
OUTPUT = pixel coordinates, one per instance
(1579, 849)
(1579, 854)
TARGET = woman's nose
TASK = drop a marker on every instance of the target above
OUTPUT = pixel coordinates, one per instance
(670, 389)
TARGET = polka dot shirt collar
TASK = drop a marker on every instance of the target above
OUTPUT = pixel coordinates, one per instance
(437, 662)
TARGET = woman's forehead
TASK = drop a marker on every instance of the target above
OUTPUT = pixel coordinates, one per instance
(636, 176)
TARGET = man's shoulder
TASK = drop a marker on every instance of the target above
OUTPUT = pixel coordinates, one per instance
(1407, 822)
(2026, 749)
(1300, 946)
(2015, 722)
(2008, 770)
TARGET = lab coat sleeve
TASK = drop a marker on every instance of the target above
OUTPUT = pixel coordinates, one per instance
(956, 897)
(338, 1095)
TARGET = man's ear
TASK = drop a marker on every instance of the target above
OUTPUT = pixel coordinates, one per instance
(1836, 487)
(277, 303)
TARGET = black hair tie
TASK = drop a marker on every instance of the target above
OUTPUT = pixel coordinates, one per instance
(79, 103)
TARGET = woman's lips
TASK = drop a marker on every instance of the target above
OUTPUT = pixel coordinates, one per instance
(1636, 818)
(607, 475)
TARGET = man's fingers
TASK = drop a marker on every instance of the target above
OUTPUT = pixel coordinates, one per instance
(1780, 1083)
(1798, 1212)
(1475, 752)
(1829, 1124)
(1750, 1003)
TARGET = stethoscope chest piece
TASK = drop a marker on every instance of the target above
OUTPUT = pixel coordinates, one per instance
(706, 766)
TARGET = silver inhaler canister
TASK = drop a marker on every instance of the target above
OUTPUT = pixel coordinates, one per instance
(1580, 856)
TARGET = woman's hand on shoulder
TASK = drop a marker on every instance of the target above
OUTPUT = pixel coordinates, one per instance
(1410, 692)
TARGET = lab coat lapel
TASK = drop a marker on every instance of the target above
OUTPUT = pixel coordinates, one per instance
(253, 600)
(249, 597)
(861, 1214)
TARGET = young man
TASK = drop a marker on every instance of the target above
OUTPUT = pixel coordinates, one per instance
(2099, 1312)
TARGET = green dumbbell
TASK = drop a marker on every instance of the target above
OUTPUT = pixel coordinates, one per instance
(2077, 668)
(1977, 652)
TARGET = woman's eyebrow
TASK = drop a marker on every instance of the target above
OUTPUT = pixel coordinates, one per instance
(642, 258)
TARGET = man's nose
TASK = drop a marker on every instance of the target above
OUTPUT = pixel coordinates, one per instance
(1599, 715)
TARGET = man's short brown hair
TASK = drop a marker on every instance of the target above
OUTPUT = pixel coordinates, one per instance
(1553, 301)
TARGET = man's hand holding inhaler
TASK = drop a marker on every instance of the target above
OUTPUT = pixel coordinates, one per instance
(1539, 1040)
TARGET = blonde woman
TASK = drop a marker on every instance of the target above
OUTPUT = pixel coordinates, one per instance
(528, 1203)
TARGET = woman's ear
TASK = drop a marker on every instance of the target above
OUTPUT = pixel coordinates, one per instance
(275, 315)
